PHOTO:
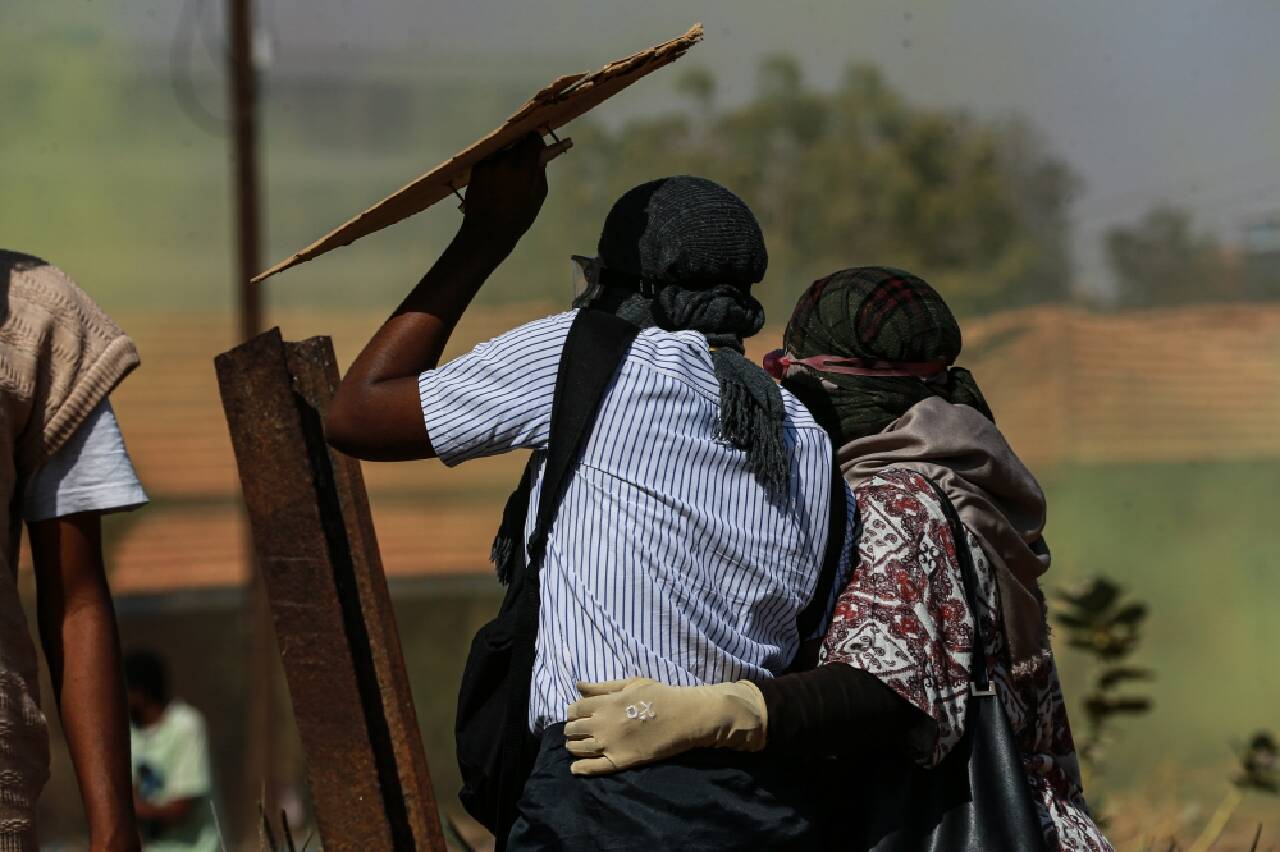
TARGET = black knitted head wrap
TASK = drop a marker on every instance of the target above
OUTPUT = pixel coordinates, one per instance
(682, 253)
(875, 313)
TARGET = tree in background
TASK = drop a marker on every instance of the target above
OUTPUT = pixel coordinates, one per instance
(853, 176)
(1161, 260)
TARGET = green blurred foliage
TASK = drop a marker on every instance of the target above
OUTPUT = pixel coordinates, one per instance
(1161, 260)
(849, 177)
(118, 170)
(1258, 764)
(1101, 623)
(1189, 539)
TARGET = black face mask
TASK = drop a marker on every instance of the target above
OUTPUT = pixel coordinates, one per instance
(809, 390)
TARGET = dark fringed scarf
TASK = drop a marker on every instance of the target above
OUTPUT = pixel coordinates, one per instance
(511, 527)
(752, 417)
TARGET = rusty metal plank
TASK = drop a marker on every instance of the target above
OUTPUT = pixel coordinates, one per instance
(315, 370)
(299, 539)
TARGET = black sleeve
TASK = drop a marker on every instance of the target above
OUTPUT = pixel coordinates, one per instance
(837, 709)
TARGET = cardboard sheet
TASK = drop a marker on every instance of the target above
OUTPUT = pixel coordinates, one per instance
(557, 104)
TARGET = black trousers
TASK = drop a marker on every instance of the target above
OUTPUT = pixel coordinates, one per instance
(702, 800)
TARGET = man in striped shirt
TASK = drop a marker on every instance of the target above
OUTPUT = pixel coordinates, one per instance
(692, 531)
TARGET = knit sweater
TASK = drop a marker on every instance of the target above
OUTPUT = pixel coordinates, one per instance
(60, 356)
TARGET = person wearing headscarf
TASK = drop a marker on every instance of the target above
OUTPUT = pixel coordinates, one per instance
(692, 527)
(872, 351)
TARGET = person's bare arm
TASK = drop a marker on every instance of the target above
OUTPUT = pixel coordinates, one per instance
(376, 413)
(78, 632)
(168, 813)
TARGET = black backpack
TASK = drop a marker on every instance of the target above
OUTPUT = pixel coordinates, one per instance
(495, 750)
(494, 747)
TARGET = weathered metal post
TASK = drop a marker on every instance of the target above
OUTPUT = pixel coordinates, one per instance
(260, 770)
(314, 541)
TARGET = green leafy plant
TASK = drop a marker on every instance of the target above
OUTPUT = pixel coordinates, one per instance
(1259, 767)
(1100, 622)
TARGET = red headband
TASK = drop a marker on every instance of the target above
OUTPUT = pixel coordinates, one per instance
(777, 362)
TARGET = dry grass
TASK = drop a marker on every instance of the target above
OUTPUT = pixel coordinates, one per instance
(1165, 825)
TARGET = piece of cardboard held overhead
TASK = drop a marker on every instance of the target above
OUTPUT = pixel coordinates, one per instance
(563, 100)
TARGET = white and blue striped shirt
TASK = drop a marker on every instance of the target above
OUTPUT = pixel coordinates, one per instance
(667, 558)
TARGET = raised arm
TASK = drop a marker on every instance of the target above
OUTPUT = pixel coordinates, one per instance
(376, 413)
(78, 631)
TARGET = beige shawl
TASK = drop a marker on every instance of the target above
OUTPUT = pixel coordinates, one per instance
(995, 495)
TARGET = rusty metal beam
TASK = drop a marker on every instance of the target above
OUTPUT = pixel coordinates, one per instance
(315, 369)
(313, 538)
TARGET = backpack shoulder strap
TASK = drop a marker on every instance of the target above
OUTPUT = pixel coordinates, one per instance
(837, 517)
(597, 344)
(595, 347)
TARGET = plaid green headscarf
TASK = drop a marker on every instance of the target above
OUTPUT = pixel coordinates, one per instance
(875, 313)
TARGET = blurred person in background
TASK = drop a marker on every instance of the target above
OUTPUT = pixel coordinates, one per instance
(172, 779)
(62, 465)
(870, 351)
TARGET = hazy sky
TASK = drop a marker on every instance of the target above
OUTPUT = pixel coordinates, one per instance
(1147, 99)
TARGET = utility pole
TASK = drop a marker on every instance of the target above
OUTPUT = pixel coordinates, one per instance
(260, 785)
(244, 118)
